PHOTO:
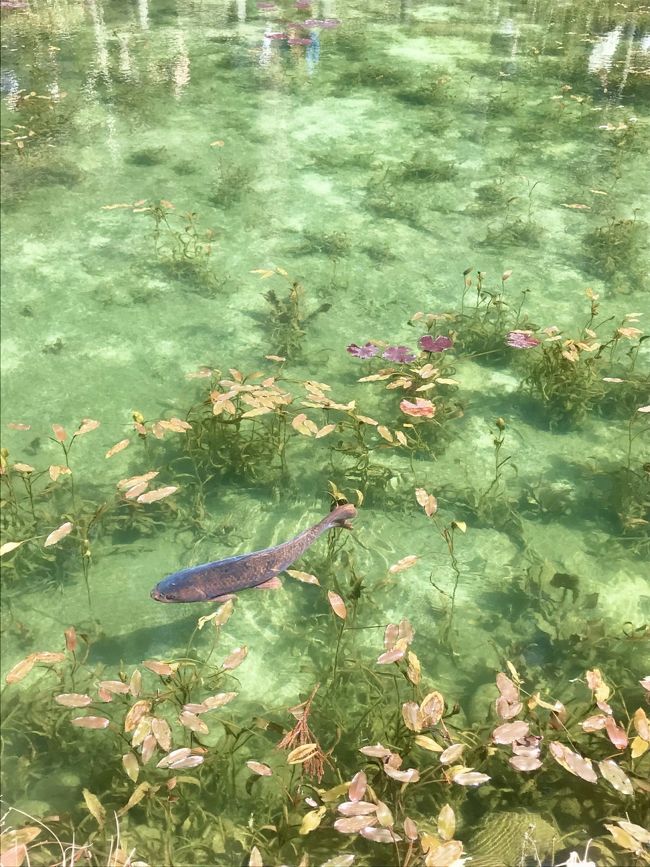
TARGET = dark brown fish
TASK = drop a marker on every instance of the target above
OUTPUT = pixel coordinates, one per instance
(212, 580)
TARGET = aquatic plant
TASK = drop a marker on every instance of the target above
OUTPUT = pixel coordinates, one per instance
(614, 250)
(566, 374)
(288, 316)
(232, 180)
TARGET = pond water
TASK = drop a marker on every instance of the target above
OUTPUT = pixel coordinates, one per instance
(209, 209)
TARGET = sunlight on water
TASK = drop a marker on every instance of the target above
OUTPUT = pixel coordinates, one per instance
(259, 258)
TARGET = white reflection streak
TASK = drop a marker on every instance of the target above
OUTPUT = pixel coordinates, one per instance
(143, 14)
(100, 40)
(181, 73)
(265, 52)
(602, 54)
(241, 10)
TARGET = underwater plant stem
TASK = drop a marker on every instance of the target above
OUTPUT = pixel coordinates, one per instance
(341, 628)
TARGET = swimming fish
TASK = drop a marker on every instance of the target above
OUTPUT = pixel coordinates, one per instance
(212, 580)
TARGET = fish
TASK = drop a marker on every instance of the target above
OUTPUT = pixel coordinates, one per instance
(213, 580)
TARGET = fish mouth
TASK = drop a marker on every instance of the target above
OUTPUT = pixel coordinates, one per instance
(158, 596)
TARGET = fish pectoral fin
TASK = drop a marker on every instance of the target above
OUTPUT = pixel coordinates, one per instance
(272, 584)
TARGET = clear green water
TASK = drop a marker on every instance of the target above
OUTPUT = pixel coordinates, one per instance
(376, 164)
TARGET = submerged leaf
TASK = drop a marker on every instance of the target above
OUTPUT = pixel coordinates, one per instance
(58, 534)
(235, 659)
(118, 447)
(357, 786)
(573, 762)
(21, 669)
(302, 753)
(337, 603)
(94, 807)
(90, 722)
(404, 563)
(259, 768)
(158, 494)
(9, 546)
(73, 699)
(305, 577)
(616, 777)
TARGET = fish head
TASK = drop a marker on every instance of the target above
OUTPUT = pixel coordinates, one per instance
(173, 589)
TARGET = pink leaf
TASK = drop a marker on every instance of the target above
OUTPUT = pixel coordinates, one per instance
(411, 775)
(158, 494)
(615, 733)
(509, 732)
(58, 534)
(380, 835)
(356, 808)
(338, 605)
(470, 778)
(377, 751)
(594, 723)
(259, 768)
(90, 722)
(525, 763)
(357, 787)
(507, 688)
(234, 659)
(352, 824)
(73, 699)
(573, 762)
(393, 655)
(118, 447)
(59, 433)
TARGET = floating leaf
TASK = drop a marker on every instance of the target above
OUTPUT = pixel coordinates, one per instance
(259, 768)
(158, 494)
(302, 753)
(10, 546)
(305, 577)
(58, 534)
(73, 699)
(90, 722)
(94, 807)
(234, 659)
(404, 563)
(337, 603)
(357, 786)
(616, 777)
(118, 447)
